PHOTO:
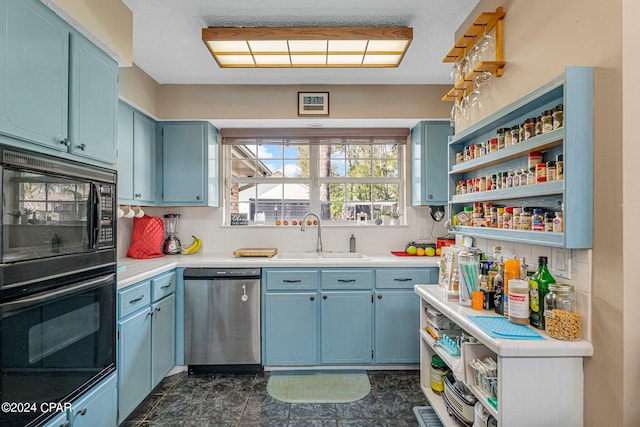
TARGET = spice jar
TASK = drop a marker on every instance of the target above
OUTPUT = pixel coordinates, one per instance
(562, 320)
(515, 135)
(438, 371)
(508, 139)
(537, 220)
(547, 121)
(516, 218)
(541, 172)
(500, 136)
(551, 170)
(507, 216)
(539, 125)
(529, 128)
(535, 157)
(559, 167)
(558, 117)
(525, 220)
(522, 138)
(493, 145)
(548, 221)
(558, 223)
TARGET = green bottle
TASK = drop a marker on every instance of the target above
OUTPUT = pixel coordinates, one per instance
(538, 288)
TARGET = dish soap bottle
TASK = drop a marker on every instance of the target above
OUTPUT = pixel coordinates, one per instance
(352, 243)
(538, 289)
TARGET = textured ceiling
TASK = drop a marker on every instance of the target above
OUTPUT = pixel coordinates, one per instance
(167, 38)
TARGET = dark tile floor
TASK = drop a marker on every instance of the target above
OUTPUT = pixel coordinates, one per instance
(241, 400)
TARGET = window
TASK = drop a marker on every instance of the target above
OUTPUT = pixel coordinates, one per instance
(340, 178)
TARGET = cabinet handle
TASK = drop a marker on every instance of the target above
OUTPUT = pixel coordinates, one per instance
(403, 279)
(82, 412)
(379, 296)
(324, 297)
(312, 298)
(346, 280)
(157, 309)
(65, 142)
(430, 196)
(82, 147)
(165, 286)
(198, 197)
(291, 280)
(138, 195)
(135, 300)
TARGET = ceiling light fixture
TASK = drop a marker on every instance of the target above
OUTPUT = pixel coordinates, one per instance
(308, 47)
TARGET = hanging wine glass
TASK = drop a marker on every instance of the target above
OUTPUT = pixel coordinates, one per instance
(455, 114)
(487, 45)
(483, 79)
(474, 103)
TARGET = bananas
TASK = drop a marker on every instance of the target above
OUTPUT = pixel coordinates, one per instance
(194, 247)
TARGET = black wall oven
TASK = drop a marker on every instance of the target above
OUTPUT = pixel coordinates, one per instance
(57, 282)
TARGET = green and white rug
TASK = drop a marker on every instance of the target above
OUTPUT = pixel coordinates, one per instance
(318, 387)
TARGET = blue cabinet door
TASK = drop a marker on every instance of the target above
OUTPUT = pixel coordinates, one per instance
(429, 177)
(34, 73)
(98, 408)
(397, 325)
(291, 328)
(346, 327)
(163, 338)
(144, 155)
(190, 164)
(94, 101)
(134, 358)
(184, 151)
(125, 152)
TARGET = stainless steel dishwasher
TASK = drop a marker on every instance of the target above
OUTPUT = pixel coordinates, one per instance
(222, 320)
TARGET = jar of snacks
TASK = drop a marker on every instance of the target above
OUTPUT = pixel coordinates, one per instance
(562, 320)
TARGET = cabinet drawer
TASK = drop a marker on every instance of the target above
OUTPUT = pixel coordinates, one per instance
(292, 279)
(405, 278)
(164, 285)
(134, 298)
(346, 279)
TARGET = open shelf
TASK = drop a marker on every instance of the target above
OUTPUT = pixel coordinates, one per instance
(533, 190)
(466, 84)
(490, 20)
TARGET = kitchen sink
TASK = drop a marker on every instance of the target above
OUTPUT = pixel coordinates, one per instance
(320, 255)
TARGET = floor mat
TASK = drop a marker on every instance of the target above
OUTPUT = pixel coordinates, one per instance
(318, 387)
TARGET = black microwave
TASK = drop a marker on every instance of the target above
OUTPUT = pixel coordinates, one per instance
(57, 219)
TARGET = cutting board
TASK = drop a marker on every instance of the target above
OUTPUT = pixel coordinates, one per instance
(255, 252)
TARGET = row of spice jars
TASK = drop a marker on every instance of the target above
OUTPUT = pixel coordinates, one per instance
(542, 172)
(484, 214)
(506, 137)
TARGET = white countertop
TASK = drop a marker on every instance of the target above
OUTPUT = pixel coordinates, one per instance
(549, 347)
(136, 269)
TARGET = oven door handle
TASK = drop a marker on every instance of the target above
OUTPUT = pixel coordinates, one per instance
(95, 215)
(21, 303)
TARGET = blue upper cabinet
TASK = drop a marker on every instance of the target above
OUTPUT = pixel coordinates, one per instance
(190, 164)
(136, 157)
(34, 74)
(572, 194)
(58, 92)
(429, 141)
(94, 101)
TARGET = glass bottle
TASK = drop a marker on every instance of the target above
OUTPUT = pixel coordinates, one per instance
(498, 287)
(538, 289)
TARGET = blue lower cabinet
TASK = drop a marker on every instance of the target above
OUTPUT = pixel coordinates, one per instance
(163, 339)
(397, 325)
(291, 328)
(96, 408)
(345, 329)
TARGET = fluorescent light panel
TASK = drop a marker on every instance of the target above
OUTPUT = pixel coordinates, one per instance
(308, 46)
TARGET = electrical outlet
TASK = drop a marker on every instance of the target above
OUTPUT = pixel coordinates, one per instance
(423, 233)
(561, 262)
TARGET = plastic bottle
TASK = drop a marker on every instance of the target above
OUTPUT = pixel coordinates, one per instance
(538, 289)
(498, 287)
(511, 271)
(352, 243)
(519, 301)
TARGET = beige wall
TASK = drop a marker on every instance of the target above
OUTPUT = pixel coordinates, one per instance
(109, 21)
(540, 40)
(631, 160)
(281, 102)
(140, 90)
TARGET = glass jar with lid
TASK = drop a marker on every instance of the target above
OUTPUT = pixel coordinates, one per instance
(562, 320)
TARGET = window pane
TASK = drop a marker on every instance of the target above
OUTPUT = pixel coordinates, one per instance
(359, 192)
(385, 168)
(385, 192)
(359, 168)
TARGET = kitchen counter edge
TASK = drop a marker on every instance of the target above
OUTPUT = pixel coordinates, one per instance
(135, 270)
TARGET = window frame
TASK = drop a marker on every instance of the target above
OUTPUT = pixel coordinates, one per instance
(314, 181)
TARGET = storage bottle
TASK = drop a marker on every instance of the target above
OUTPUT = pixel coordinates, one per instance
(519, 301)
(538, 289)
(498, 287)
(511, 271)
(562, 319)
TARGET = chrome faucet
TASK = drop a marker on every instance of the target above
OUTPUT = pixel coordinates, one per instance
(303, 227)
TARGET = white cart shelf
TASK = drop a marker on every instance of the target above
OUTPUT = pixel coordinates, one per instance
(531, 373)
